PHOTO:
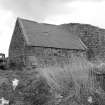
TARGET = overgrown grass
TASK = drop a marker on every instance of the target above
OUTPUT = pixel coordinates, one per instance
(76, 80)
(71, 84)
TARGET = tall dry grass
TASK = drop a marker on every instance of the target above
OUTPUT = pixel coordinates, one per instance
(75, 79)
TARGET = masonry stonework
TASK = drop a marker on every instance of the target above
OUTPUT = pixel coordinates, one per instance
(30, 45)
(17, 45)
(42, 56)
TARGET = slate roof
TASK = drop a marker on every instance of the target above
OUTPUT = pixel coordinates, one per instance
(47, 35)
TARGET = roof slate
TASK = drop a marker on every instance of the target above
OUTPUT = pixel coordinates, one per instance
(47, 35)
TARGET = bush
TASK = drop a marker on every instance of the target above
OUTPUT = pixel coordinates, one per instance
(37, 93)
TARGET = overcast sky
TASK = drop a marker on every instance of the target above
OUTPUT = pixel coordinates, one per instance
(50, 11)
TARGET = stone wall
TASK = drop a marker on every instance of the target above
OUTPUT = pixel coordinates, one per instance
(42, 56)
(16, 49)
(94, 39)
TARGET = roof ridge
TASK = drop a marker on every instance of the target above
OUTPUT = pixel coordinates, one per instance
(24, 19)
(18, 18)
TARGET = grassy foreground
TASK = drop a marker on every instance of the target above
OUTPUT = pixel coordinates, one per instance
(73, 84)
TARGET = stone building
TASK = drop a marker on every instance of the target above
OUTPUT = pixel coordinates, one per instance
(40, 44)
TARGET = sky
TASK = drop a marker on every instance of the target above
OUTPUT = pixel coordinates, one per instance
(48, 11)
